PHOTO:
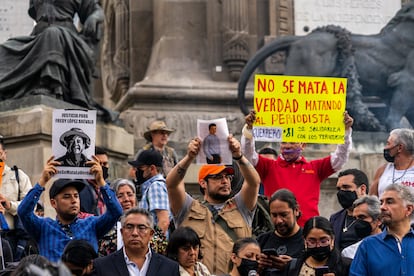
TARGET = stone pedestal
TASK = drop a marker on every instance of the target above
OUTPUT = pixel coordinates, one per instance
(197, 45)
(26, 125)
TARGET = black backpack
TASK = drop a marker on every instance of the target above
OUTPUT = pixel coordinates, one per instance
(262, 221)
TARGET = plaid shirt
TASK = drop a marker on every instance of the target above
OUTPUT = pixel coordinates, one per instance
(52, 236)
(155, 196)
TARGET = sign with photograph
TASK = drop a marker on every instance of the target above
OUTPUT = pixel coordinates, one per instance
(215, 147)
(73, 141)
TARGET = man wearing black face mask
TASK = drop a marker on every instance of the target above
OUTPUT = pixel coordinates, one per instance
(367, 214)
(149, 176)
(399, 153)
(351, 185)
(91, 198)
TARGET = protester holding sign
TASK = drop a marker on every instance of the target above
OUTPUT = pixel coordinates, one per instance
(292, 171)
(52, 235)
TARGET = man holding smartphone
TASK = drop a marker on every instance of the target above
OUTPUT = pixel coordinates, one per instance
(285, 243)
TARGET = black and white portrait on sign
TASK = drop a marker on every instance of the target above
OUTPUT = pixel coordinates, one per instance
(73, 141)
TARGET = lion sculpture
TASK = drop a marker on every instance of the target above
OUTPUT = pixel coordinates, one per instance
(377, 66)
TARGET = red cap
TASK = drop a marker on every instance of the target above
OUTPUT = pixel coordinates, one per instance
(213, 169)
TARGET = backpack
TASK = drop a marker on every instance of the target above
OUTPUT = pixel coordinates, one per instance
(262, 222)
(24, 244)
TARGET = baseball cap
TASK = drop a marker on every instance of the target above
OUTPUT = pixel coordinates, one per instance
(147, 157)
(213, 169)
(62, 183)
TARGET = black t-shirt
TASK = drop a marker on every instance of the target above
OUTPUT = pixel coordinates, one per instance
(292, 246)
(348, 235)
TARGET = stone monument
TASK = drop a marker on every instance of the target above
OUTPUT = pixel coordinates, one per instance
(179, 60)
(176, 61)
(26, 117)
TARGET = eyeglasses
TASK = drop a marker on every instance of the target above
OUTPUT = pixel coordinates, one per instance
(220, 176)
(142, 228)
(312, 243)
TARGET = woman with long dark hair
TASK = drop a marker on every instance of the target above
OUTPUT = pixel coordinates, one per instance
(321, 257)
(245, 256)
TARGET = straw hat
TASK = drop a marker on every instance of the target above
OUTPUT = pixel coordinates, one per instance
(156, 125)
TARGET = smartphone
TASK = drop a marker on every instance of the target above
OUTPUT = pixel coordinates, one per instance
(270, 251)
(320, 270)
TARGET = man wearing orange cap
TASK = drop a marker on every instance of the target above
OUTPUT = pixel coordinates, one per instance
(157, 136)
(219, 219)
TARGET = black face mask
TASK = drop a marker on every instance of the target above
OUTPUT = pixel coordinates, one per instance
(105, 173)
(247, 266)
(387, 155)
(346, 198)
(362, 228)
(139, 176)
(319, 253)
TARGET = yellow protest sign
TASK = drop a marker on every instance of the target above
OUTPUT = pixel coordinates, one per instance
(300, 109)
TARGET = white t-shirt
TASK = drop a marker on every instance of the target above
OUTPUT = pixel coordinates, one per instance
(390, 176)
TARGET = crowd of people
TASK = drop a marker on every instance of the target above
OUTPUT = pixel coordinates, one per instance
(151, 225)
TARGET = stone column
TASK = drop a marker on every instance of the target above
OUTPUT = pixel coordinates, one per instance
(235, 36)
(281, 17)
(115, 53)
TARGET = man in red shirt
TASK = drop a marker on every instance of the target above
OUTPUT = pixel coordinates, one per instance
(292, 171)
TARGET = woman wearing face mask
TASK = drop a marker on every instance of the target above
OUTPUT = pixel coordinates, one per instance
(319, 252)
(184, 247)
(244, 260)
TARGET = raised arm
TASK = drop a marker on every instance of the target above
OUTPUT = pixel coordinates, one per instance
(251, 183)
(341, 154)
(25, 210)
(113, 209)
(247, 140)
(175, 178)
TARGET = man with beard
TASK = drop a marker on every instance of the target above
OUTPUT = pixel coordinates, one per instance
(292, 171)
(218, 219)
(152, 183)
(53, 235)
(390, 252)
(75, 141)
(286, 239)
(351, 185)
